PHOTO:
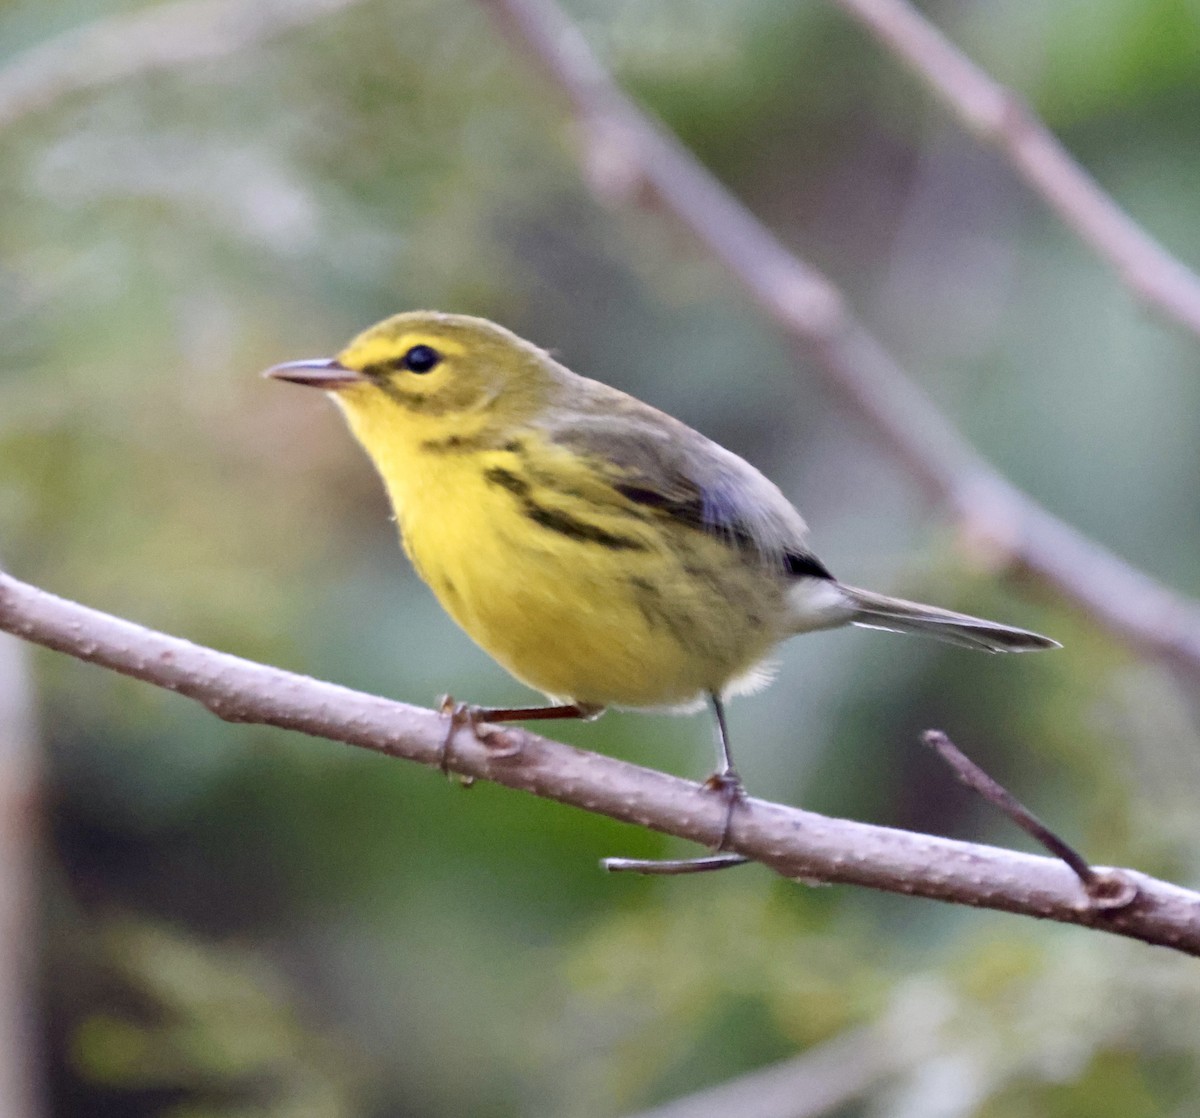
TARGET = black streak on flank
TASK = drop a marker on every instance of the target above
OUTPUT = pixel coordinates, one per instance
(555, 519)
(506, 479)
(654, 612)
(567, 525)
(457, 444)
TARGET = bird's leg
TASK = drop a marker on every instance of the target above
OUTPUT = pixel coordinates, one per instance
(477, 718)
(726, 782)
(534, 714)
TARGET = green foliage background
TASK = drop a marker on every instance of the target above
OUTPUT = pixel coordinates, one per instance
(244, 922)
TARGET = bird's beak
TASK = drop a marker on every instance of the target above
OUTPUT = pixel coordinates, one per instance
(317, 372)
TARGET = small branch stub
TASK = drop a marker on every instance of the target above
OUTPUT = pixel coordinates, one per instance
(1106, 889)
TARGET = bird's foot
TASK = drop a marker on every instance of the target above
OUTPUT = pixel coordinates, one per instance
(459, 715)
(467, 716)
(728, 785)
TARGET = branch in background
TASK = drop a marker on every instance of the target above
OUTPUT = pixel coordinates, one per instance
(159, 37)
(797, 844)
(184, 31)
(822, 1079)
(999, 117)
(19, 827)
(630, 157)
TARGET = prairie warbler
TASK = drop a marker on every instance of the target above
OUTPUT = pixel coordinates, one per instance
(603, 552)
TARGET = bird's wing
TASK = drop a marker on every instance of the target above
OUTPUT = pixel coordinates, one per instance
(645, 457)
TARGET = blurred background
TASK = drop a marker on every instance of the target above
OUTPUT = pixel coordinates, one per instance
(237, 921)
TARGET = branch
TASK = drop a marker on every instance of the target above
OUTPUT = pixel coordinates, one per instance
(626, 154)
(20, 1088)
(797, 844)
(999, 117)
(823, 1079)
(1106, 890)
(630, 157)
(160, 37)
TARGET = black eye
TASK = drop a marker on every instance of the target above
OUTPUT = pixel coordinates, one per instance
(420, 359)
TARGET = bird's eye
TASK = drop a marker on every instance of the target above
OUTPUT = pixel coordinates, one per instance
(420, 359)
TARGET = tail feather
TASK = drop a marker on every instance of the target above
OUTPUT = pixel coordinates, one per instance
(878, 611)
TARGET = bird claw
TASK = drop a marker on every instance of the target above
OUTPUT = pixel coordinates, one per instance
(460, 715)
(728, 785)
(498, 742)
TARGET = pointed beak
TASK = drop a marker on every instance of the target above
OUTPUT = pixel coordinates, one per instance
(317, 372)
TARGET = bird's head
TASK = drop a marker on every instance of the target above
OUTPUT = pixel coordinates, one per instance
(423, 373)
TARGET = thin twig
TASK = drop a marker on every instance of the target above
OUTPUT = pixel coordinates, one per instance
(158, 37)
(999, 117)
(673, 867)
(631, 157)
(1107, 889)
(797, 844)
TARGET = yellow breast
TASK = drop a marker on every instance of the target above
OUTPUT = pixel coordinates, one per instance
(583, 602)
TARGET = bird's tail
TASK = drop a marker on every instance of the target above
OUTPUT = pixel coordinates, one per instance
(878, 611)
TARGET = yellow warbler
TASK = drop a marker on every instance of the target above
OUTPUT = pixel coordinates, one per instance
(605, 553)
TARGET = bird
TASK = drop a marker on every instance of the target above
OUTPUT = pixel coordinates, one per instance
(603, 552)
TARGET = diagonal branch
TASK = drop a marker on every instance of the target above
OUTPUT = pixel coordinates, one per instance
(996, 115)
(159, 37)
(794, 843)
(631, 157)
(820, 1081)
(1106, 890)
